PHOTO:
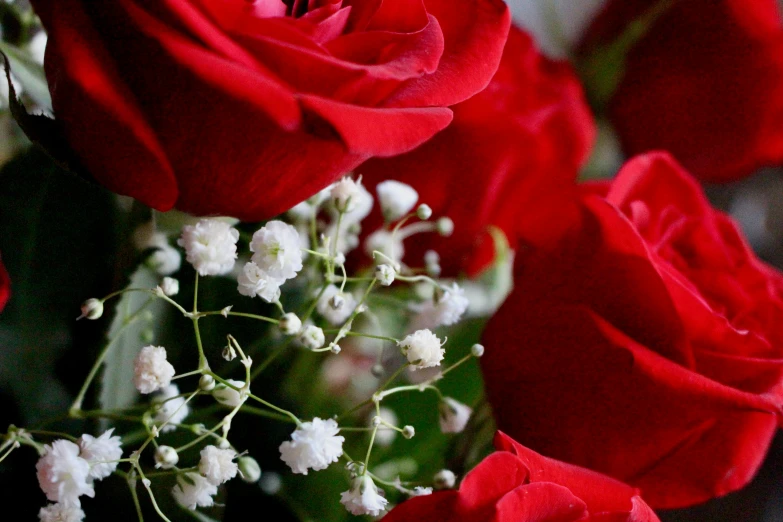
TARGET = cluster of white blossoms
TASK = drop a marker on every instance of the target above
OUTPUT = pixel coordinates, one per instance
(165, 259)
(445, 309)
(215, 467)
(67, 470)
(423, 349)
(313, 445)
(151, 370)
(210, 246)
(277, 257)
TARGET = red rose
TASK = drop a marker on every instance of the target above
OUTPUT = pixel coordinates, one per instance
(244, 107)
(705, 83)
(647, 344)
(517, 485)
(509, 149)
(5, 286)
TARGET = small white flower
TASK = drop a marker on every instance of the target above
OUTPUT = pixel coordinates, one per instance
(419, 491)
(396, 199)
(210, 246)
(165, 260)
(386, 243)
(423, 349)
(445, 479)
(363, 497)
(218, 464)
(92, 309)
(63, 475)
(60, 513)
(345, 194)
(276, 250)
(313, 445)
(166, 457)
(445, 226)
(151, 370)
(385, 274)
(312, 337)
(454, 415)
(172, 408)
(301, 212)
(335, 306)
(101, 452)
(229, 396)
(249, 469)
(445, 310)
(193, 490)
(169, 286)
(360, 204)
(253, 281)
(290, 324)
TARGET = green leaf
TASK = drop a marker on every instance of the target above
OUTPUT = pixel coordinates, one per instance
(29, 73)
(117, 390)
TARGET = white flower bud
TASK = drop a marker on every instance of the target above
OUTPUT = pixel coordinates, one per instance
(312, 337)
(445, 226)
(166, 457)
(477, 350)
(384, 274)
(396, 199)
(229, 353)
(169, 286)
(249, 469)
(454, 415)
(206, 383)
(335, 306)
(229, 396)
(345, 194)
(408, 432)
(290, 324)
(424, 211)
(419, 491)
(91, 309)
(444, 479)
(337, 301)
(335, 348)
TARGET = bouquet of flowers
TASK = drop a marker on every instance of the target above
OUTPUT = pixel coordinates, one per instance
(400, 259)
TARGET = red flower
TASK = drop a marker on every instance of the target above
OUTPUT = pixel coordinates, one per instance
(647, 344)
(244, 107)
(509, 149)
(705, 83)
(517, 485)
(5, 286)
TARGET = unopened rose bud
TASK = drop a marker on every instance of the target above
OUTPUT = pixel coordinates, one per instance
(444, 479)
(166, 457)
(424, 211)
(477, 350)
(249, 469)
(445, 226)
(290, 324)
(91, 309)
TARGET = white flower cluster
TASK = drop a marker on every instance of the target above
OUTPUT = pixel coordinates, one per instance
(313, 445)
(67, 470)
(216, 466)
(423, 349)
(210, 246)
(151, 370)
(277, 257)
(446, 309)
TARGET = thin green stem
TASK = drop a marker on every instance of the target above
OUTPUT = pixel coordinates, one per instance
(145, 483)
